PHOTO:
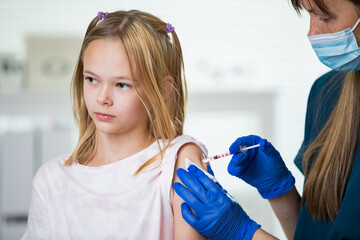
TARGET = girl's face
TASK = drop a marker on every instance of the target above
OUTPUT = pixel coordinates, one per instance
(345, 15)
(109, 92)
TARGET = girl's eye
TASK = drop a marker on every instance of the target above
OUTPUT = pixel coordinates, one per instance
(123, 85)
(91, 80)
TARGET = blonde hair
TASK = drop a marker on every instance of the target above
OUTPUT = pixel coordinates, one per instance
(333, 151)
(154, 56)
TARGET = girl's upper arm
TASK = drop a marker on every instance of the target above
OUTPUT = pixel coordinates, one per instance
(182, 230)
(38, 224)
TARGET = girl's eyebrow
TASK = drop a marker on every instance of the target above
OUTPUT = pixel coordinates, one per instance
(116, 77)
(123, 78)
(89, 72)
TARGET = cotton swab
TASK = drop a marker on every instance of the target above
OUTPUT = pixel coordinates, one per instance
(242, 149)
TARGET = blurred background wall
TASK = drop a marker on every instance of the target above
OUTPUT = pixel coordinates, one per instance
(249, 69)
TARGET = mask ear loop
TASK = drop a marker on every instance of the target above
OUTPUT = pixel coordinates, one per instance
(356, 24)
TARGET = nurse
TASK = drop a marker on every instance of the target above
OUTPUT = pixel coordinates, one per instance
(328, 157)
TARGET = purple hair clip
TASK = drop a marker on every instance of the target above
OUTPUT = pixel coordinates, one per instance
(102, 15)
(169, 28)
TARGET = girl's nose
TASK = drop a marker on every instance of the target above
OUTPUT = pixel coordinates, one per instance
(104, 97)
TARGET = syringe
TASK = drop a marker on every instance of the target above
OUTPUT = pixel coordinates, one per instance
(242, 149)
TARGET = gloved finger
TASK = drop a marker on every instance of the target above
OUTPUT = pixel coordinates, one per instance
(188, 197)
(234, 169)
(219, 185)
(243, 141)
(205, 181)
(210, 170)
(188, 215)
(192, 183)
(235, 146)
(268, 149)
(239, 159)
(264, 145)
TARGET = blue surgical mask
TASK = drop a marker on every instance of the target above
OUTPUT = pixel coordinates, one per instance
(338, 51)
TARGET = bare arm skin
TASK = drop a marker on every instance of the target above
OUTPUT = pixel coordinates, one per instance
(286, 208)
(261, 234)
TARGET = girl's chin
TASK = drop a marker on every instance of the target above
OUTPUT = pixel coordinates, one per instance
(107, 130)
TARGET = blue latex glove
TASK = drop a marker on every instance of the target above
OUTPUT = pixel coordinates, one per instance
(218, 215)
(262, 168)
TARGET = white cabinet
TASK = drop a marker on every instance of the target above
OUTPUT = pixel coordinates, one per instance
(34, 127)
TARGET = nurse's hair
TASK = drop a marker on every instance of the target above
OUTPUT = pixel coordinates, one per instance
(156, 60)
(320, 4)
(329, 159)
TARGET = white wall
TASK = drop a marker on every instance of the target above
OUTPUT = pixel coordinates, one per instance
(237, 45)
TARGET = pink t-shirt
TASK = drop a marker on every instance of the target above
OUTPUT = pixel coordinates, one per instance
(106, 202)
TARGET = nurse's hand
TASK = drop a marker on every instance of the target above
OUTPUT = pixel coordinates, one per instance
(262, 167)
(217, 214)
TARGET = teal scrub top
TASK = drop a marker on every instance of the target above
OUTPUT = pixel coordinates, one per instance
(322, 99)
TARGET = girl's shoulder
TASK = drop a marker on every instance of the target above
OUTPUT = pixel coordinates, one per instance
(183, 147)
(182, 140)
(51, 168)
(180, 147)
(55, 163)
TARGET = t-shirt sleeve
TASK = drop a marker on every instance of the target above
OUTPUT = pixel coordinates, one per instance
(38, 223)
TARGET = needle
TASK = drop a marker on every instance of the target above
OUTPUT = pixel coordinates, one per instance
(241, 149)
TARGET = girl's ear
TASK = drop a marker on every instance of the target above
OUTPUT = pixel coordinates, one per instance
(169, 83)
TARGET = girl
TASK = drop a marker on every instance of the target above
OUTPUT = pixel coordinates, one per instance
(129, 96)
